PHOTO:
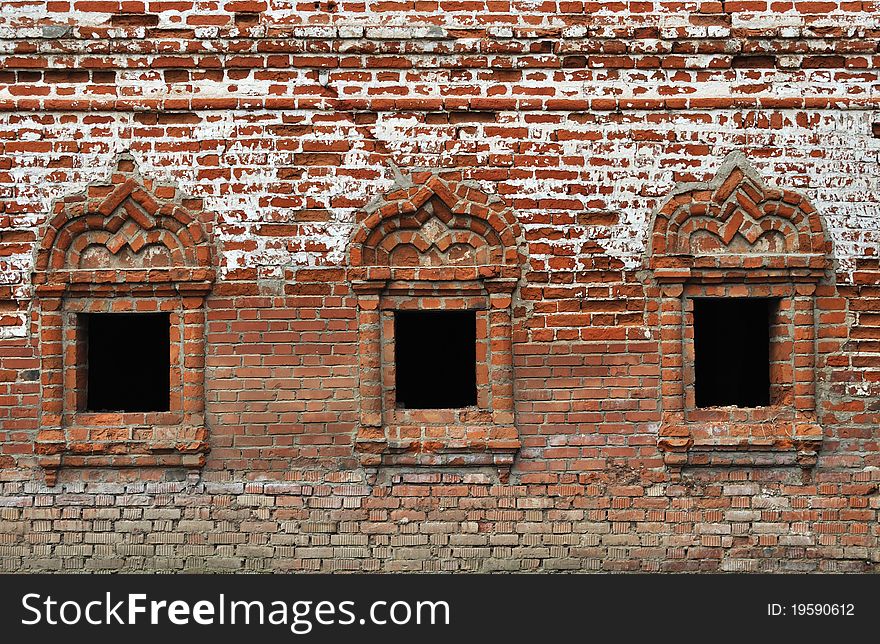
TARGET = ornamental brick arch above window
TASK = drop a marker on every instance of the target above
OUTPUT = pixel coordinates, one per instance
(121, 278)
(435, 266)
(440, 223)
(738, 264)
(121, 226)
(733, 216)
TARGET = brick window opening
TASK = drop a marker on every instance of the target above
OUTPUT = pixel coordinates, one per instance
(732, 351)
(127, 361)
(435, 359)
(738, 265)
(434, 266)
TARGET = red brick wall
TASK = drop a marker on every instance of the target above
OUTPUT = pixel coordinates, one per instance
(287, 121)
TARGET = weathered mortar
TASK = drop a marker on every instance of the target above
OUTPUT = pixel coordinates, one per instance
(583, 118)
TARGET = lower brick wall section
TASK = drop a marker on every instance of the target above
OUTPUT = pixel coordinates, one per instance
(761, 520)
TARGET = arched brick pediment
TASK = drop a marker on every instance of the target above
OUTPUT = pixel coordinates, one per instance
(736, 214)
(439, 223)
(122, 225)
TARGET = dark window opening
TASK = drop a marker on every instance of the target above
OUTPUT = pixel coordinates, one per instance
(128, 361)
(732, 351)
(435, 359)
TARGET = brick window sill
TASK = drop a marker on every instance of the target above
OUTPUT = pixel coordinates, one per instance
(458, 445)
(770, 437)
(159, 439)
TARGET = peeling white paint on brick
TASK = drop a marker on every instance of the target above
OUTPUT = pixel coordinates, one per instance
(631, 179)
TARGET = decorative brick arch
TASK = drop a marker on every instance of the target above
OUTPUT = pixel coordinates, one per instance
(735, 237)
(126, 221)
(733, 215)
(440, 244)
(125, 245)
(440, 223)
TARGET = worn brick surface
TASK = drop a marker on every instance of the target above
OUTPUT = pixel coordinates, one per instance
(283, 126)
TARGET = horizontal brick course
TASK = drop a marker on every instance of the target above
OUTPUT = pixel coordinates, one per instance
(284, 131)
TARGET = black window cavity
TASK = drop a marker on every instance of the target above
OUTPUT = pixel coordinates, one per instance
(128, 361)
(435, 359)
(732, 351)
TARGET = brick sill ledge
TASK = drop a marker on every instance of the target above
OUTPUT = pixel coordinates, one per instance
(479, 446)
(178, 446)
(794, 442)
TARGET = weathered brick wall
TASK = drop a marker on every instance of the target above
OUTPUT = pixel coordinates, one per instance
(287, 120)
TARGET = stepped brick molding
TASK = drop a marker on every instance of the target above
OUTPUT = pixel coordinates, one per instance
(439, 244)
(122, 246)
(302, 190)
(734, 237)
(717, 224)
